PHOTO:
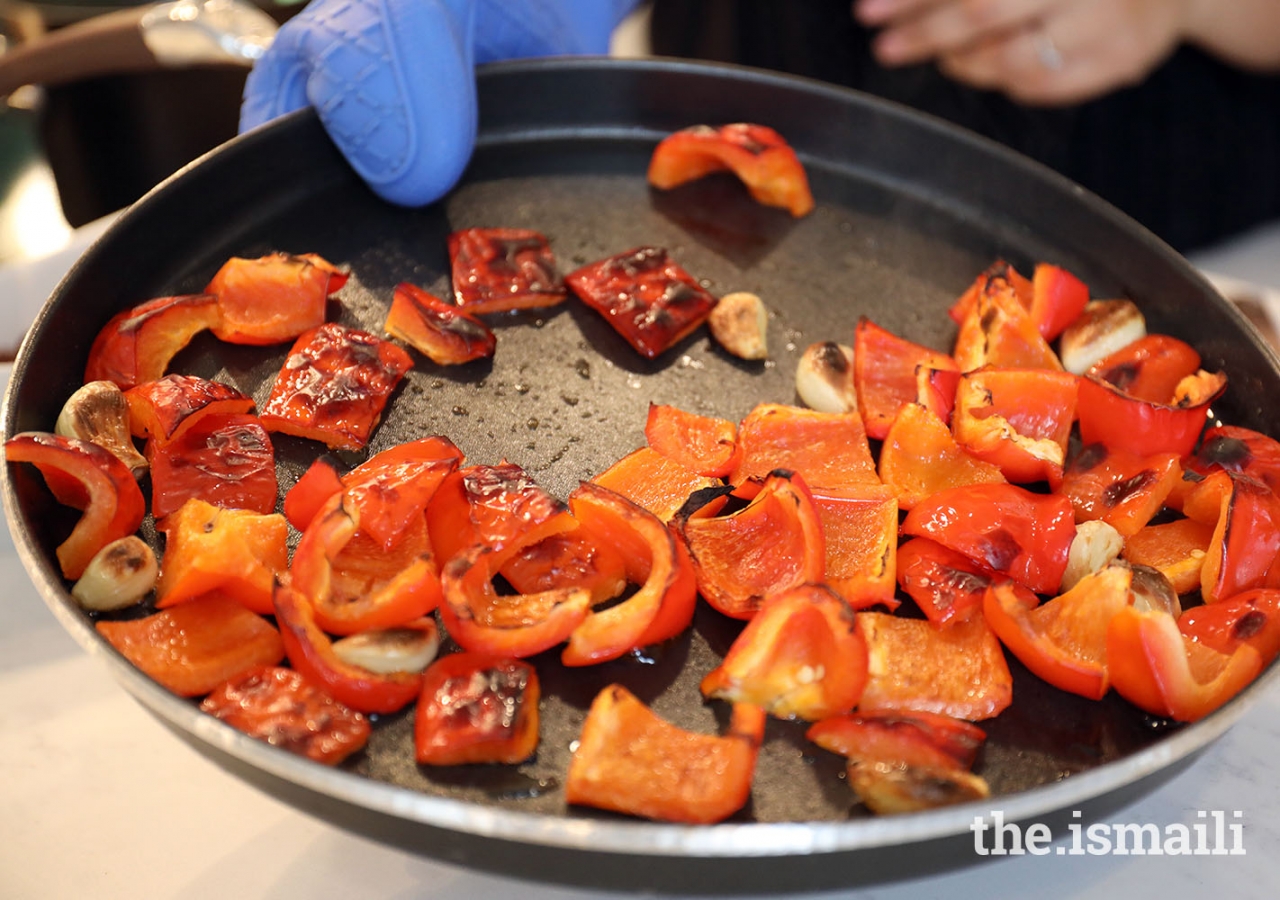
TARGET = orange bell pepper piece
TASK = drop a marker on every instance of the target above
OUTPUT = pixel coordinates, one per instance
(135, 346)
(438, 330)
(653, 481)
(628, 760)
(1176, 549)
(704, 444)
(920, 457)
(827, 449)
(884, 373)
(1017, 419)
(273, 298)
(860, 536)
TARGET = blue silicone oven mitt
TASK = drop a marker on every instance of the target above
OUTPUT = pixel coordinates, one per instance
(393, 81)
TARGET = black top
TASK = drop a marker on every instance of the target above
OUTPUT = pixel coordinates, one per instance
(1193, 152)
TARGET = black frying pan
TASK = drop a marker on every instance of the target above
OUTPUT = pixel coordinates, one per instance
(909, 211)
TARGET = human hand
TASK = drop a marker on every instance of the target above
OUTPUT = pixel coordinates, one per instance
(393, 83)
(1045, 52)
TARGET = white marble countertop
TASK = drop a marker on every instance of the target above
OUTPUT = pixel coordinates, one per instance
(100, 801)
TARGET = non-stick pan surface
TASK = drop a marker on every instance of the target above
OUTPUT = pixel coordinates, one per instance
(909, 212)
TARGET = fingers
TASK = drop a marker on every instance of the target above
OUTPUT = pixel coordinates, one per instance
(919, 30)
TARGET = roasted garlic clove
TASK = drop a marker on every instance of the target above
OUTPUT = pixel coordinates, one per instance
(739, 323)
(824, 378)
(1152, 590)
(890, 788)
(1093, 548)
(120, 575)
(410, 648)
(1103, 328)
(98, 413)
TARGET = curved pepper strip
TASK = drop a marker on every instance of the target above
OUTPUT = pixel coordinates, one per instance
(100, 483)
(1244, 552)
(652, 561)
(311, 652)
(1251, 617)
(1110, 416)
(1156, 668)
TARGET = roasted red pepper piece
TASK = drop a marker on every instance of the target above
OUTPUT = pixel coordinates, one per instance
(573, 559)
(958, 671)
(333, 386)
(1121, 489)
(946, 585)
(310, 492)
(1018, 419)
(910, 738)
(311, 652)
(773, 543)
(998, 331)
(477, 709)
(500, 269)
(758, 155)
(1251, 617)
(136, 345)
(659, 484)
(280, 707)
(193, 648)
(705, 444)
(1150, 368)
(936, 391)
(1064, 640)
(651, 560)
(164, 409)
(860, 534)
(1239, 450)
(1175, 549)
(489, 506)
(272, 298)
(630, 761)
(920, 457)
(999, 277)
(352, 582)
(235, 551)
(829, 450)
(89, 478)
(391, 489)
(1002, 527)
(443, 333)
(801, 656)
(1057, 299)
(645, 296)
(1156, 668)
(227, 460)
(1244, 552)
(1110, 416)
(884, 373)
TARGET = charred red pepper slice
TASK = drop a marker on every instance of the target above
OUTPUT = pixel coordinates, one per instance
(1239, 450)
(1156, 668)
(227, 460)
(860, 534)
(573, 559)
(391, 489)
(334, 385)
(1150, 368)
(705, 444)
(1018, 419)
(280, 707)
(658, 483)
(629, 760)
(829, 450)
(1002, 527)
(477, 709)
(1064, 640)
(1121, 489)
(920, 457)
(884, 373)
(758, 155)
(1057, 299)
(911, 738)
(443, 333)
(1251, 617)
(773, 543)
(936, 391)
(193, 648)
(998, 331)
(489, 506)
(650, 559)
(352, 582)
(310, 492)
(999, 277)
(272, 298)
(912, 666)
(235, 551)
(801, 656)
(136, 345)
(946, 585)
(645, 296)
(89, 478)
(1244, 552)
(1110, 416)
(164, 409)
(499, 269)
(311, 652)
